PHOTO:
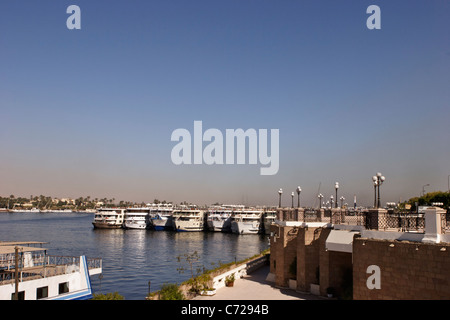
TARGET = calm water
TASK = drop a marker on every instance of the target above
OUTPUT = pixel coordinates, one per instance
(131, 258)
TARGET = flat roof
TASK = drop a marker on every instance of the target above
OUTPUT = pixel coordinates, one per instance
(12, 249)
(7, 247)
(10, 243)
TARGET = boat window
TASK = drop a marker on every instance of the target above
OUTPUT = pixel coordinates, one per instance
(20, 296)
(42, 292)
(63, 287)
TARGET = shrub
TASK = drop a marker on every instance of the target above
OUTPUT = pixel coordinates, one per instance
(170, 291)
(108, 296)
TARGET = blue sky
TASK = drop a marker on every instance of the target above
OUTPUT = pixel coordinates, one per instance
(91, 111)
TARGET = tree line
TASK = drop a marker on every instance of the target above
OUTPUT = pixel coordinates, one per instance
(81, 203)
(429, 198)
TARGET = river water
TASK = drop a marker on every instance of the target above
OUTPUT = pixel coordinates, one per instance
(131, 258)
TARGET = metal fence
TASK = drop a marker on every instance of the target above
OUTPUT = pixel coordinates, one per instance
(445, 222)
(389, 220)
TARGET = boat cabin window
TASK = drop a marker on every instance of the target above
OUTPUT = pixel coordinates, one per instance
(20, 296)
(63, 287)
(42, 292)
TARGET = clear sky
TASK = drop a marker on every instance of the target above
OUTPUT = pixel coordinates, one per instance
(91, 111)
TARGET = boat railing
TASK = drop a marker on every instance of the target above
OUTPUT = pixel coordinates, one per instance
(45, 266)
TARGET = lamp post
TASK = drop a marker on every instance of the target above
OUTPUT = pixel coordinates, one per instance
(280, 192)
(377, 182)
(320, 196)
(342, 200)
(336, 186)
(423, 188)
(292, 195)
(331, 202)
(298, 196)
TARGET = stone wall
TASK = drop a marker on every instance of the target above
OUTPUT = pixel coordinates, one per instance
(407, 270)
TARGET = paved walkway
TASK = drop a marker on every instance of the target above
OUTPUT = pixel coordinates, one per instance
(255, 287)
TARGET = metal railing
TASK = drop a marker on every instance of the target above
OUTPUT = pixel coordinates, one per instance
(45, 266)
(389, 220)
(445, 222)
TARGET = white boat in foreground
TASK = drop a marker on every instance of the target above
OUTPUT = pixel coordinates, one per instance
(38, 276)
(109, 218)
(185, 219)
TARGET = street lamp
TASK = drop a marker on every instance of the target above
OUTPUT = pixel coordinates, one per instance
(320, 196)
(377, 182)
(292, 195)
(336, 186)
(331, 202)
(423, 188)
(342, 201)
(298, 194)
(280, 192)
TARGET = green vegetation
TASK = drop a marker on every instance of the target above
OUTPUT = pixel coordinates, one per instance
(108, 296)
(229, 279)
(170, 291)
(429, 198)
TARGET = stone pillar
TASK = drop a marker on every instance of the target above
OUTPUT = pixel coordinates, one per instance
(283, 251)
(300, 214)
(375, 219)
(433, 225)
(321, 215)
(280, 215)
(310, 243)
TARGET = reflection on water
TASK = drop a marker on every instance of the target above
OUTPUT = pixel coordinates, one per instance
(131, 258)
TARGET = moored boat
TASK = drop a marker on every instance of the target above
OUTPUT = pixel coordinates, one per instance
(247, 221)
(269, 219)
(136, 218)
(188, 219)
(109, 218)
(162, 217)
(218, 219)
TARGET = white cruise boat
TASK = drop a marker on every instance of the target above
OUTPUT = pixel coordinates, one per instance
(27, 272)
(187, 219)
(136, 218)
(219, 219)
(162, 217)
(247, 221)
(269, 219)
(109, 218)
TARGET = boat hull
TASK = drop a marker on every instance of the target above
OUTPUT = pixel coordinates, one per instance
(219, 226)
(138, 226)
(105, 225)
(245, 228)
(161, 224)
(188, 226)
